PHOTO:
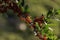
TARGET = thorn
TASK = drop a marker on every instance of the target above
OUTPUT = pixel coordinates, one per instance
(45, 23)
(16, 1)
(51, 29)
(57, 19)
(35, 33)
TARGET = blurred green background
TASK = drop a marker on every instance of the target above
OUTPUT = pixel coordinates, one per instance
(8, 26)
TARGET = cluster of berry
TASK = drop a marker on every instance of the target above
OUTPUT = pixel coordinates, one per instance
(8, 4)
